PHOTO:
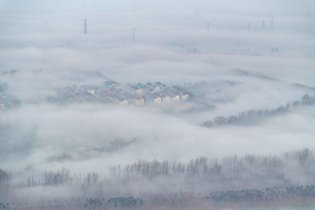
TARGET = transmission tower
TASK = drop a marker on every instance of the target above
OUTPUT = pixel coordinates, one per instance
(85, 26)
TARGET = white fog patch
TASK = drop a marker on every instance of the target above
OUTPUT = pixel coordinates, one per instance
(165, 92)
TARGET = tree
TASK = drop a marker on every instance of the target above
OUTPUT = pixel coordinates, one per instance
(3, 176)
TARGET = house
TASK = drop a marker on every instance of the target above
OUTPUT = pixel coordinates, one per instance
(124, 102)
(159, 87)
(185, 97)
(167, 99)
(140, 91)
(176, 98)
(139, 102)
(157, 100)
(156, 89)
(91, 91)
(134, 88)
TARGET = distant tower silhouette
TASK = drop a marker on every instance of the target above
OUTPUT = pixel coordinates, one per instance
(85, 26)
(271, 22)
(134, 30)
(263, 25)
(208, 25)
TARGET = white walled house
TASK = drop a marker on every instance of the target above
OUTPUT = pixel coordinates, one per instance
(156, 90)
(124, 102)
(185, 97)
(157, 100)
(140, 91)
(176, 98)
(167, 99)
(91, 91)
(139, 102)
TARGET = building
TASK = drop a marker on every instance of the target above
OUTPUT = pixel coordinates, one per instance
(140, 91)
(124, 102)
(157, 100)
(167, 99)
(176, 98)
(185, 97)
(91, 91)
(156, 89)
(138, 94)
(139, 102)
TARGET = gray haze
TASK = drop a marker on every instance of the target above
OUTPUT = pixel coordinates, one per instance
(232, 56)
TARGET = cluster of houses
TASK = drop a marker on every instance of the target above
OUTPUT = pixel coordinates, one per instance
(125, 94)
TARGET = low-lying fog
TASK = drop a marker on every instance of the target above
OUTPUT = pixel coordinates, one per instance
(229, 57)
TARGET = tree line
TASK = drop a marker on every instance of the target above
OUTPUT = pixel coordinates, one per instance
(219, 181)
(251, 117)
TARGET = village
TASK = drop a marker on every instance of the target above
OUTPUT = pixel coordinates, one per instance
(111, 92)
(175, 97)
